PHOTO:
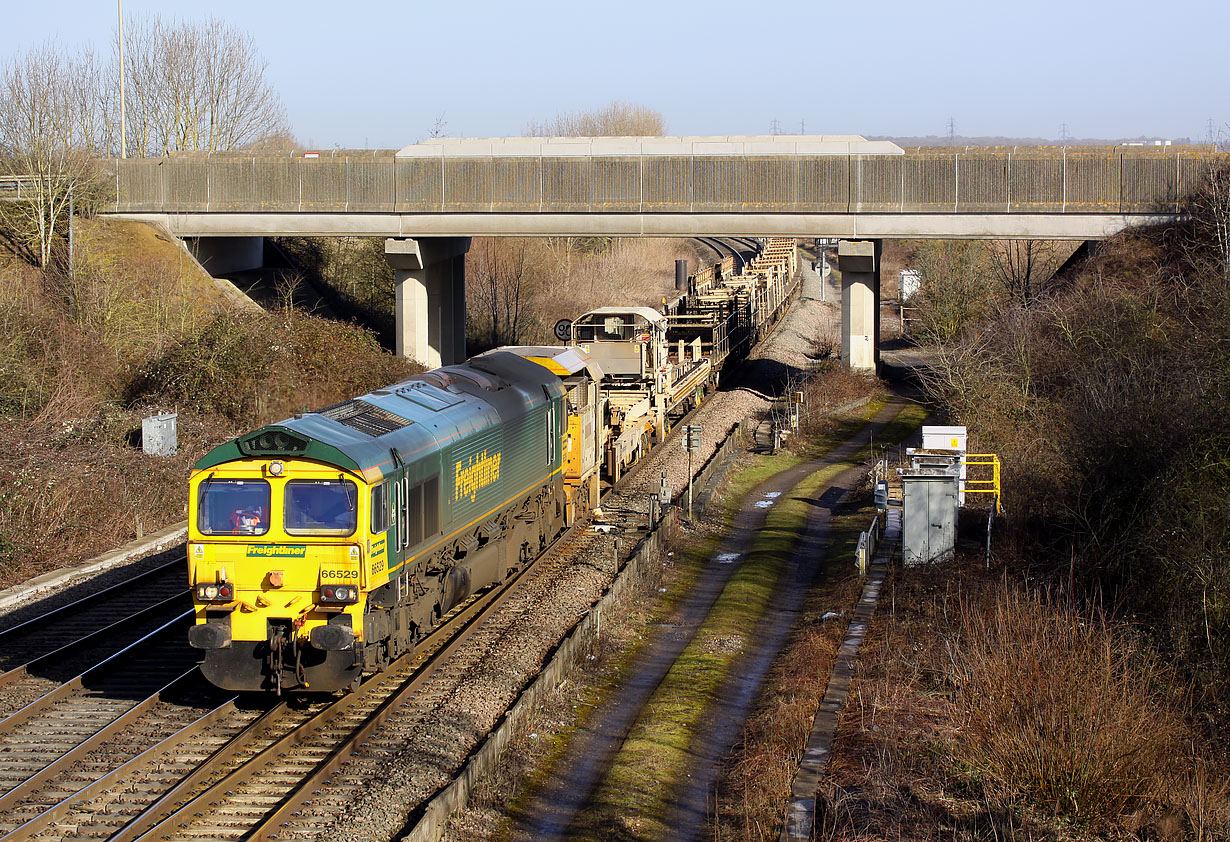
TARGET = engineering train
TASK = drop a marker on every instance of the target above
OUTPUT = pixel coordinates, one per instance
(324, 546)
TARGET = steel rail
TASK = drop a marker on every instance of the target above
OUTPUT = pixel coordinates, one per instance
(270, 827)
(409, 672)
(34, 625)
(126, 771)
(22, 671)
(173, 801)
(28, 788)
(70, 687)
(178, 808)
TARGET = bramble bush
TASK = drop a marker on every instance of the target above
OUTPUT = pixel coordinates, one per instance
(253, 368)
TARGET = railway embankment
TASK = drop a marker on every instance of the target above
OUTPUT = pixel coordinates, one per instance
(137, 329)
(1103, 391)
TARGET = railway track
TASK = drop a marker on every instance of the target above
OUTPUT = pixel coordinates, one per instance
(43, 653)
(58, 627)
(229, 772)
(167, 756)
(97, 721)
(266, 770)
(736, 247)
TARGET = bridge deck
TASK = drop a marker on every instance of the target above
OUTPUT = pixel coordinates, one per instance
(663, 194)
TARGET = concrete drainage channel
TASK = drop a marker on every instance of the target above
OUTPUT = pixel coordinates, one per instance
(801, 808)
(570, 651)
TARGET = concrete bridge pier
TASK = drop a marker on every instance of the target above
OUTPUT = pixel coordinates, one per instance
(430, 306)
(859, 262)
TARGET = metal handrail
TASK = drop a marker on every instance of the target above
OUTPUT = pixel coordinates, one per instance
(984, 486)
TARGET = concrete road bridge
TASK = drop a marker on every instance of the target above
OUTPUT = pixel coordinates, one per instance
(428, 199)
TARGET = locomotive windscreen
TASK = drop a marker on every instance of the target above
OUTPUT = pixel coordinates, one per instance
(233, 507)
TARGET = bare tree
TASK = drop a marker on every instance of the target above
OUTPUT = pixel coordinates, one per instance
(198, 87)
(1023, 267)
(954, 287)
(1207, 235)
(618, 119)
(498, 287)
(52, 121)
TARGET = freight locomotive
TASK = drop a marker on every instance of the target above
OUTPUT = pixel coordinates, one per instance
(327, 544)
(324, 546)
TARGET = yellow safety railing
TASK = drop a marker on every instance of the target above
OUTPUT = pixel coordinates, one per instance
(985, 485)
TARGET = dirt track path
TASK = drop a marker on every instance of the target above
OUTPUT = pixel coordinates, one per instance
(581, 769)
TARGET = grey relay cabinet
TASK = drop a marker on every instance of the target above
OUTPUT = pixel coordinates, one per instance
(929, 517)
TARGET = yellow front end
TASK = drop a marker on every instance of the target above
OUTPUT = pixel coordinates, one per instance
(279, 554)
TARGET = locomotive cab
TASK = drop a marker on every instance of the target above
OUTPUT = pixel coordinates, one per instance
(276, 555)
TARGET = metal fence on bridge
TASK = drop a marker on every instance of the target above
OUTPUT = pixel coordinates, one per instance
(1033, 180)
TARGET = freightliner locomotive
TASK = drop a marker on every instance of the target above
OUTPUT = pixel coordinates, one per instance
(324, 546)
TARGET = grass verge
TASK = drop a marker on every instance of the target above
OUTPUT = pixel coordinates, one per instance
(653, 763)
(756, 778)
(987, 709)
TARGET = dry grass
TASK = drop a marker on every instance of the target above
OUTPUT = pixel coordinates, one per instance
(1061, 708)
(985, 711)
(83, 358)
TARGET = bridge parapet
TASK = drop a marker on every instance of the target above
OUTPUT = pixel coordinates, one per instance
(1024, 180)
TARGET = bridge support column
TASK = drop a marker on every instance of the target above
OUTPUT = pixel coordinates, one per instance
(430, 305)
(859, 262)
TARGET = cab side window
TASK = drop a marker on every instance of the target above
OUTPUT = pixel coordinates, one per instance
(380, 508)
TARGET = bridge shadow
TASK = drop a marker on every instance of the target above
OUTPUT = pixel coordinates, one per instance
(764, 377)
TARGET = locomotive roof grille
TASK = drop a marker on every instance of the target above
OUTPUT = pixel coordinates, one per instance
(365, 417)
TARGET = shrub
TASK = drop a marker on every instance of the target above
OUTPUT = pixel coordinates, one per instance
(253, 368)
(1062, 709)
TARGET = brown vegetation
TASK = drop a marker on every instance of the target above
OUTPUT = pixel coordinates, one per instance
(137, 329)
(516, 289)
(253, 368)
(985, 710)
(356, 272)
(963, 282)
(618, 119)
(1107, 398)
(1105, 395)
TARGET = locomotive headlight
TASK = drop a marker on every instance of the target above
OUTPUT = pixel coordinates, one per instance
(219, 592)
(276, 468)
(339, 593)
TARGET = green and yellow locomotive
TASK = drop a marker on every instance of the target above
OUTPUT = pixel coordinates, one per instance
(327, 544)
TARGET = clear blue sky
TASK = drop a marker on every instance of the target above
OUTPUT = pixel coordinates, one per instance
(378, 73)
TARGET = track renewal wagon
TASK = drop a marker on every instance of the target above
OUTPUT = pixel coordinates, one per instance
(328, 543)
